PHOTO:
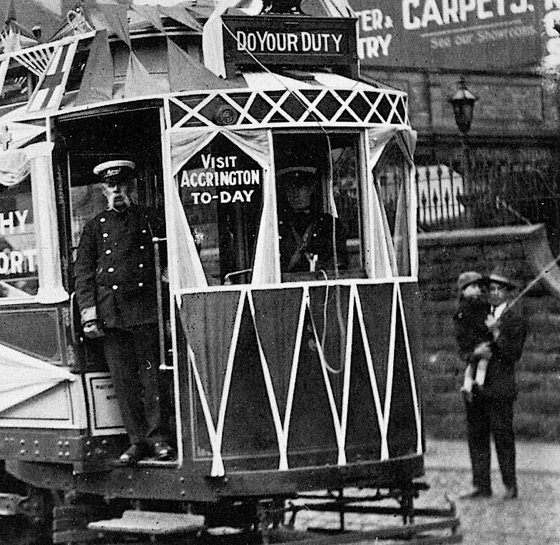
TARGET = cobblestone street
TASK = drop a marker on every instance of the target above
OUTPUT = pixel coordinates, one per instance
(532, 519)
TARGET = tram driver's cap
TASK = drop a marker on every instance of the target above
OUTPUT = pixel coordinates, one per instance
(297, 175)
(114, 169)
(467, 278)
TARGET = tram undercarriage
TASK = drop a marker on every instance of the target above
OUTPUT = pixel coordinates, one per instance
(372, 503)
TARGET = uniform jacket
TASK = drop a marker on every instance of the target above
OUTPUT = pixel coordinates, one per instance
(115, 269)
(470, 329)
(302, 232)
(506, 351)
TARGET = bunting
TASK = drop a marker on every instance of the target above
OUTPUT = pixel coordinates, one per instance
(112, 17)
(36, 59)
(4, 65)
(99, 73)
(50, 89)
(151, 14)
(180, 15)
(11, 40)
(139, 82)
(8, 13)
(186, 74)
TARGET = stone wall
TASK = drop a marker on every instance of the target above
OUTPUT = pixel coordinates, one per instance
(443, 256)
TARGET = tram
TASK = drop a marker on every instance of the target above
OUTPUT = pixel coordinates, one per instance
(279, 382)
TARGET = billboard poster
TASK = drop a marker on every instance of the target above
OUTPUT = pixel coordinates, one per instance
(450, 34)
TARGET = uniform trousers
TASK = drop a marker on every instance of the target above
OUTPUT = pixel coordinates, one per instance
(133, 359)
(491, 417)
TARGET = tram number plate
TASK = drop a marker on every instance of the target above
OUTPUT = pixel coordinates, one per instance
(105, 417)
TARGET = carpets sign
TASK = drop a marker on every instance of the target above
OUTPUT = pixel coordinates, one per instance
(469, 34)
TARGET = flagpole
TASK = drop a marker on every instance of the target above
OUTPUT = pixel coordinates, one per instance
(543, 273)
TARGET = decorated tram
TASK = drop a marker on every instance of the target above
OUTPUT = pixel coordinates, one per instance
(278, 381)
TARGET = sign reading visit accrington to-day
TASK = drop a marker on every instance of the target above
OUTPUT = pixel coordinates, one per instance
(220, 179)
(468, 34)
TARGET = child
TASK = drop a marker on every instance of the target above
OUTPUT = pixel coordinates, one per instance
(471, 330)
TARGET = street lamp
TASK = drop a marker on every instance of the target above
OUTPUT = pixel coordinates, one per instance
(463, 108)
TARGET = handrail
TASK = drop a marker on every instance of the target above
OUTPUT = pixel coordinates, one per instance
(228, 276)
(159, 295)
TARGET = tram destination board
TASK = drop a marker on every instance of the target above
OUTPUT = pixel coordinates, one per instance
(291, 41)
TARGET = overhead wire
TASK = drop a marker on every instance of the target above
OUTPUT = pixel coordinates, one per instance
(340, 320)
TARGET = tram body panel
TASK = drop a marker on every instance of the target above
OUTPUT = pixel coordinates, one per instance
(41, 400)
(278, 397)
(282, 381)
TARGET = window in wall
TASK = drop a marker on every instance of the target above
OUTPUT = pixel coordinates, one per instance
(319, 208)
(392, 177)
(18, 249)
(221, 193)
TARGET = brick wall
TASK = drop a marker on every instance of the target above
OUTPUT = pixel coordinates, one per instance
(443, 256)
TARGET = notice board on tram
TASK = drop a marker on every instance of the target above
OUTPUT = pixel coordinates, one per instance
(458, 34)
(291, 41)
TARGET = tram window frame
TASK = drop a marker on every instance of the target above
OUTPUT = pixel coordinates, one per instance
(225, 231)
(19, 284)
(87, 139)
(396, 176)
(294, 155)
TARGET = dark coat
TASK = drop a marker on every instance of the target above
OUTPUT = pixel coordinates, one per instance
(304, 232)
(470, 329)
(506, 351)
(115, 269)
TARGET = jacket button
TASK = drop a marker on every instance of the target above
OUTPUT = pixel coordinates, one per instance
(142, 247)
(141, 266)
(107, 252)
(102, 220)
(111, 269)
(105, 235)
(140, 284)
(144, 231)
(115, 287)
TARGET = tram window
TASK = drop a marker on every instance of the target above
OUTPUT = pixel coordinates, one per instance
(18, 250)
(318, 188)
(87, 202)
(221, 193)
(392, 178)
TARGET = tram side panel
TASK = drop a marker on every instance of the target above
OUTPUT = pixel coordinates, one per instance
(277, 383)
(43, 406)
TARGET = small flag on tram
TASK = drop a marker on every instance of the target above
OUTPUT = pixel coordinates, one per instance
(4, 65)
(50, 89)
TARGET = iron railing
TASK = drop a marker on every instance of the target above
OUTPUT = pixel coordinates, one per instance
(488, 194)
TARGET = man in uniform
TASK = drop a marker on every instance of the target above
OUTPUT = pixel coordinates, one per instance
(117, 297)
(309, 240)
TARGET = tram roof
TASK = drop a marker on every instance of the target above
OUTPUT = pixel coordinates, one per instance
(274, 98)
(88, 71)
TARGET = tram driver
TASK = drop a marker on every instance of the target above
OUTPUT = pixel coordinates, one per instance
(116, 293)
(310, 240)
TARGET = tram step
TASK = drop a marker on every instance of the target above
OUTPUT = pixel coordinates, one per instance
(150, 522)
